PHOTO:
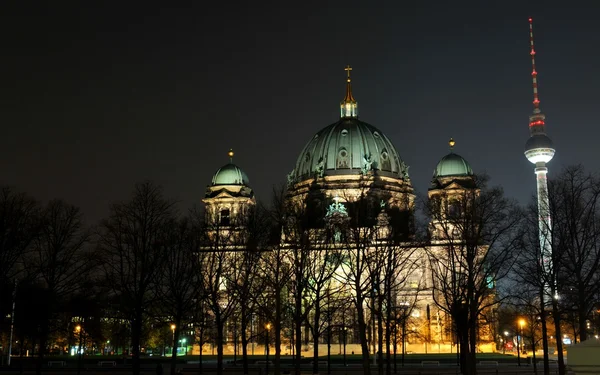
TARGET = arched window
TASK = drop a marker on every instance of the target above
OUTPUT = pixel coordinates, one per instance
(454, 209)
(224, 218)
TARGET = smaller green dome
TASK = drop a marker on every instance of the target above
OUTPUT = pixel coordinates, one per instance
(230, 174)
(452, 165)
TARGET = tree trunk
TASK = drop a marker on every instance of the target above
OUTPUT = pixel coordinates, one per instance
(316, 333)
(175, 338)
(533, 351)
(582, 316)
(471, 354)
(298, 328)
(388, 334)
(200, 364)
(44, 331)
(136, 334)
(277, 326)
(244, 326)
(544, 332)
(220, 342)
(380, 335)
(362, 332)
(558, 335)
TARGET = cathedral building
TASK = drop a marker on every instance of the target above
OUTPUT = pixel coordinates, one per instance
(350, 172)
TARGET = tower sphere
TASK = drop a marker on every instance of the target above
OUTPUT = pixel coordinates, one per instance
(539, 149)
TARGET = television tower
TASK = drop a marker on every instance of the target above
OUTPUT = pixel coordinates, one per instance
(539, 150)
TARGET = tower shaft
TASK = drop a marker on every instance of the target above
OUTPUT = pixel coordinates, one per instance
(544, 220)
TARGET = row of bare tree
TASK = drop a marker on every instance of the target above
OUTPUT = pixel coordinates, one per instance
(298, 280)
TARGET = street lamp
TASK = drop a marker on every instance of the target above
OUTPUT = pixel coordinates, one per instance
(404, 307)
(505, 342)
(267, 328)
(173, 326)
(345, 333)
(79, 331)
(521, 324)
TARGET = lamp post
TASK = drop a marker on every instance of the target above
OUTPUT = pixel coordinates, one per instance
(345, 333)
(403, 308)
(79, 330)
(521, 324)
(267, 328)
(395, 343)
(183, 342)
(173, 326)
(505, 342)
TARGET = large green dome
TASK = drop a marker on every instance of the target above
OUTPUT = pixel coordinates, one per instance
(347, 147)
(452, 165)
(230, 174)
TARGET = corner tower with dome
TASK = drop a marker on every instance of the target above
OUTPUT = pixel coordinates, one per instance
(229, 197)
(348, 160)
(452, 177)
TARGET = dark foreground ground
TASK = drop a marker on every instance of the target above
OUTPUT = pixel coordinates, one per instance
(414, 364)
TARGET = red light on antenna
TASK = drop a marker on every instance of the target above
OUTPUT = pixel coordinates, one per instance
(530, 19)
(536, 123)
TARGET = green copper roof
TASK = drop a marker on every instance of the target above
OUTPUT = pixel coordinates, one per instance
(452, 165)
(230, 174)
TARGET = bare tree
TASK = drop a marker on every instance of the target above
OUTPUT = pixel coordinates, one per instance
(360, 232)
(19, 225)
(179, 281)
(133, 245)
(530, 271)
(475, 237)
(271, 300)
(58, 263)
(219, 246)
(244, 281)
(575, 212)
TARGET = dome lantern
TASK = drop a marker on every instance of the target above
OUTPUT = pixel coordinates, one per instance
(348, 106)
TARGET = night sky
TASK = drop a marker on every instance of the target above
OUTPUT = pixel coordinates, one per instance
(96, 99)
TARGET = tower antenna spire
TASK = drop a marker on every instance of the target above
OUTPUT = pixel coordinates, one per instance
(536, 99)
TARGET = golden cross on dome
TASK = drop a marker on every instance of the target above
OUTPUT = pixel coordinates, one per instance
(451, 143)
(348, 68)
